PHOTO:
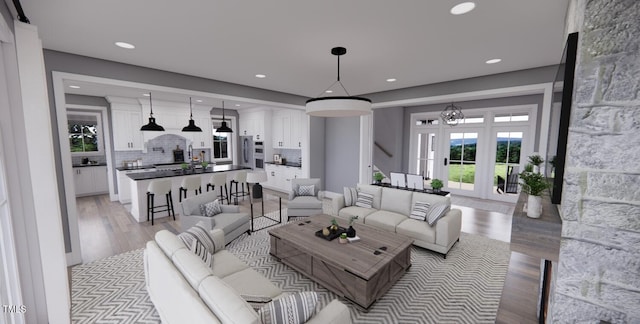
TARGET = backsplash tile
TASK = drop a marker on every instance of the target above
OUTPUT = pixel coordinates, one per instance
(159, 150)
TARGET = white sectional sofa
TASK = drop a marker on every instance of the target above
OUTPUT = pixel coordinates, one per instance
(185, 290)
(391, 210)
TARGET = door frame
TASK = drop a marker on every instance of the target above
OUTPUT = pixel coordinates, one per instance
(526, 146)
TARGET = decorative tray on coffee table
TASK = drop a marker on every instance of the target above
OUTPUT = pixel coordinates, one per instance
(332, 235)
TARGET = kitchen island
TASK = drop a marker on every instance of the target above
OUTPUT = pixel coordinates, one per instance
(139, 182)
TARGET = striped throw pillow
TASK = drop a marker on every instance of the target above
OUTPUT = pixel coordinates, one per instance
(436, 211)
(306, 190)
(365, 200)
(350, 196)
(199, 241)
(296, 308)
(420, 210)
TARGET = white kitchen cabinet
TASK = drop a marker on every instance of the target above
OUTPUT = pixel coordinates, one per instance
(126, 129)
(90, 180)
(252, 123)
(298, 128)
(279, 176)
(281, 129)
(204, 139)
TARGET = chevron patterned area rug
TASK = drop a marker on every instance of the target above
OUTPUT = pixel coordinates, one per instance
(463, 288)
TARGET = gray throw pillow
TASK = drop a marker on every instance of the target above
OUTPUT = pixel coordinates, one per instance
(296, 308)
(306, 190)
(211, 208)
(350, 196)
(436, 211)
(419, 211)
(365, 200)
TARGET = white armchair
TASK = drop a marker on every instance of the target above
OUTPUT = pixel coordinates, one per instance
(304, 205)
(231, 221)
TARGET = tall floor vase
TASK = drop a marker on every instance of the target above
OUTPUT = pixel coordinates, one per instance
(534, 206)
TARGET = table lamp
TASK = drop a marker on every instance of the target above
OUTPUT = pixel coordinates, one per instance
(255, 178)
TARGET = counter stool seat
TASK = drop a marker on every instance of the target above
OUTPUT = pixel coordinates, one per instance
(219, 180)
(190, 183)
(159, 187)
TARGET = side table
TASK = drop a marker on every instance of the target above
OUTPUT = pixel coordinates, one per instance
(270, 220)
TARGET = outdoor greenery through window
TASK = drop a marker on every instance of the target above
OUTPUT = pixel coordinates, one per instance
(221, 142)
(84, 134)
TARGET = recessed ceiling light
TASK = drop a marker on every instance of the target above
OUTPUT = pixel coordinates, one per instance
(198, 100)
(74, 87)
(146, 94)
(494, 61)
(462, 8)
(237, 105)
(260, 76)
(125, 45)
(391, 80)
(329, 91)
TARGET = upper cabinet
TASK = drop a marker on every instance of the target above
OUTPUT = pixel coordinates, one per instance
(126, 122)
(288, 128)
(252, 123)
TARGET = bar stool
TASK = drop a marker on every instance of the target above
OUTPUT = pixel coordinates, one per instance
(159, 187)
(239, 178)
(219, 180)
(190, 183)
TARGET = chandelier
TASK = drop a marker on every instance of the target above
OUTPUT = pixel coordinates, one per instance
(338, 106)
(451, 115)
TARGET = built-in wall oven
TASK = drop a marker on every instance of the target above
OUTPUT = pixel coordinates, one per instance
(258, 155)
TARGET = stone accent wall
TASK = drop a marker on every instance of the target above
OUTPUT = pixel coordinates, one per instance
(598, 277)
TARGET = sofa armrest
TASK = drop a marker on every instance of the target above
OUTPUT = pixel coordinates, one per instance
(230, 208)
(291, 195)
(334, 313)
(218, 239)
(189, 221)
(448, 227)
(337, 204)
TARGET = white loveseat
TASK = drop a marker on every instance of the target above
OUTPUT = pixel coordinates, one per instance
(185, 290)
(391, 210)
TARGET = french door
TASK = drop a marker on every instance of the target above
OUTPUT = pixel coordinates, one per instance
(463, 161)
(508, 147)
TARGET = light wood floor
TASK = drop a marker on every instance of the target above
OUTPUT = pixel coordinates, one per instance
(107, 229)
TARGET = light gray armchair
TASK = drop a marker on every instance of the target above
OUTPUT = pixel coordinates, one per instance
(231, 221)
(303, 206)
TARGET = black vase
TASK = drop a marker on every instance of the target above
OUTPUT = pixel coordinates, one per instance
(351, 232)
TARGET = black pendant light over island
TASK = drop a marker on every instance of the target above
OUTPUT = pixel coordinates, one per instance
(151, 126)
(192, 125)
(224, 128)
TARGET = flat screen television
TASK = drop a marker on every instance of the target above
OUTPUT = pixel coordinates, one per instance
(560, 117)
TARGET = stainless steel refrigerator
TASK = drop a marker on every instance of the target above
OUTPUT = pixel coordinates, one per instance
(246, 152)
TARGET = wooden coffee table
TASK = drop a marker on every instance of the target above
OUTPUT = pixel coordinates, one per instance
(361, 271)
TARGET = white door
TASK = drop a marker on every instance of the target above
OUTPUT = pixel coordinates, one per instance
(508, 147)
(463, 162)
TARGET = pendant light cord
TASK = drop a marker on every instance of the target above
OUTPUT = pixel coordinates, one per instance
(151, 104)
(190, 109)
(337, 81)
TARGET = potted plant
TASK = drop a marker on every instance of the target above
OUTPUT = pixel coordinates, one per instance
(351, 232)
(378, 176)
(184, 167)
(534, 184)
(536, 160)
(205, 165)
(436, 185)
(343, 238)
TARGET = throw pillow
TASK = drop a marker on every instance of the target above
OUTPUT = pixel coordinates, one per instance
(296, 308)
(436, 211)
(350, 196)
(256, 302)
(211, 208)
(198, 239)
(420, 210)
(306, 190)
(365, 200)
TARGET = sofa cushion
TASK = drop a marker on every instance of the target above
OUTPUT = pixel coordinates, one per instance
(430, 198)
(169, 243)
(436, 211)
(418, 230)
(365, 200)
(249, 282)
(199, 241)
(211, 208)
(395, 200)
(225, 302)
(296, 308)
(374, 190)
(305, 202)
(347, 212)
(350, 196)
(306, 190)
(225, 263)
(386, 220)
(191, 267)
(230, 221)
(419, 210)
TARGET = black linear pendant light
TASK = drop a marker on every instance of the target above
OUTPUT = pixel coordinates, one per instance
(224, 128)
(192, 125)
(151, 126)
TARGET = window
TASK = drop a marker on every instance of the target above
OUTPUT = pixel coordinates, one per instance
(84, 132)
(221, 142)
(505, 118)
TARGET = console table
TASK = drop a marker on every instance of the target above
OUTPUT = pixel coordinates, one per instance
(429, 191)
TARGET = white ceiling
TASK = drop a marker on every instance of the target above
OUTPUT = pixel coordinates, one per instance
(415, 41)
